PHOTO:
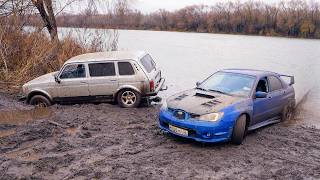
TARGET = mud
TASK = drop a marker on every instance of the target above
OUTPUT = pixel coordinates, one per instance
(106, 142)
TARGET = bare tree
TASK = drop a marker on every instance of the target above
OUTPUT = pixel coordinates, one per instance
(45, 9)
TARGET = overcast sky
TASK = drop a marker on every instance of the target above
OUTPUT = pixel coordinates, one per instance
(147, 6)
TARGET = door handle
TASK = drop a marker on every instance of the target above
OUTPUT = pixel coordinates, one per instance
(113, 80)
(82, 82)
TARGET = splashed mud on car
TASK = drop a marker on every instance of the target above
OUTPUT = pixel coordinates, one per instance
(105, 142)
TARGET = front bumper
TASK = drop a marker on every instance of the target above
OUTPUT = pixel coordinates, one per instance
(201, 131)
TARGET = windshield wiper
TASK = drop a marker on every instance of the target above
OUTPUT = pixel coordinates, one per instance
(214, 90)
(201, 89)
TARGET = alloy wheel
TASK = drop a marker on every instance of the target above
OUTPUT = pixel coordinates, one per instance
(128, 98)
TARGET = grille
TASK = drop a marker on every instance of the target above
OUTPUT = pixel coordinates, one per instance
(179, 114)
(185, 115)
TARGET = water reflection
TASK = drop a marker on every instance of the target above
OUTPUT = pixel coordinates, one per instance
(5, 133)
(20, 117)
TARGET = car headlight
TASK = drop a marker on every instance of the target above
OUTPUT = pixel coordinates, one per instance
(164, 106)
(212, 117)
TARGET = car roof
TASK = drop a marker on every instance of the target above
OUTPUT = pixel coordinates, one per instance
(105, 56)
(251, 72)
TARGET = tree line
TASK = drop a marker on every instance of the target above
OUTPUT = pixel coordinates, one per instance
(296, 18)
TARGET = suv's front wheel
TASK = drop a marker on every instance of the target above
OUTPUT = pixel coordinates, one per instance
(128, 98)
(40, 101)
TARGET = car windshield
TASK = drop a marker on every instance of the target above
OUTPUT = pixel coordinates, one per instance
(229, 83)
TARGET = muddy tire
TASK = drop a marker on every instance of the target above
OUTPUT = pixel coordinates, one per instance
(239, 130)
(40, 101)
(128, 98)
(286, 114)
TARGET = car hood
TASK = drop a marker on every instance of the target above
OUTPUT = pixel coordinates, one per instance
(47, 78)
(201, 102)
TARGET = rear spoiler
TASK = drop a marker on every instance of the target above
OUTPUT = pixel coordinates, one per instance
(291, 79)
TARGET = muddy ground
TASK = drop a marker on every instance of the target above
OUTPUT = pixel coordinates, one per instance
(105, 142)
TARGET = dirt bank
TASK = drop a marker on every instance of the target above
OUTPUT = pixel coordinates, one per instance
(106, 142)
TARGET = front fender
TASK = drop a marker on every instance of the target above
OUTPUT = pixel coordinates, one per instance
(39, 91)
(233, 112)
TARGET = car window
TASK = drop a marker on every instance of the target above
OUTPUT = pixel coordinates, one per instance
(102, 69)
(73, 71)
(263, 85)
(148, 63)
(275, 83)
(125, 68)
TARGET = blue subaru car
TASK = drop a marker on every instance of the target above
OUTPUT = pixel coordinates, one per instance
(228, 104)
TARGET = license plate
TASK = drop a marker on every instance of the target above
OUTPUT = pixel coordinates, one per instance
(178, 130)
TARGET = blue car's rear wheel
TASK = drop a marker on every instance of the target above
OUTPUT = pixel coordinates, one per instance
(239, 130)
(287, 113)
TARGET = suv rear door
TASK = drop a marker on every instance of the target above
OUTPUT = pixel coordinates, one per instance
(128, 76)
(103, 78)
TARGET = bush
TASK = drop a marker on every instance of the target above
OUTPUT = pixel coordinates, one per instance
(27, 55)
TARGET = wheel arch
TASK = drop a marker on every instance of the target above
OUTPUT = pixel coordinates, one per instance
(38, 92)
(124, 88)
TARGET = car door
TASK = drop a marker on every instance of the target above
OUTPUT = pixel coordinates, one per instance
(103, 78)
(127, 75)
(277, 94)
(73, 81)
(262, 106)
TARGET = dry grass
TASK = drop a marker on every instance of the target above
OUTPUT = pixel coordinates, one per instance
(26, 55)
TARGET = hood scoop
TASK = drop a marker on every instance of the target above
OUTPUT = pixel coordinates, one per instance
(205, 95)
(211, 103)
(179, 98)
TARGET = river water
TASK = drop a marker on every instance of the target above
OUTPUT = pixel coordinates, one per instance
(186, 58)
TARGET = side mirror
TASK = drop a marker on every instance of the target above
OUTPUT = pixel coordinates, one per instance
(57, 79)
(261, 94)
(198, 84)
(291, 81)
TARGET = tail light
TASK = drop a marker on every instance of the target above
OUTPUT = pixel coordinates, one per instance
(151, 84)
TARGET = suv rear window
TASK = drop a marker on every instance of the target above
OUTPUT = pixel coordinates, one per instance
(102, 69)
(148, 63)
(125, 68)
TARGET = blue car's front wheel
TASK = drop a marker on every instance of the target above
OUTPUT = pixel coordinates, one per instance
(239, 130)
